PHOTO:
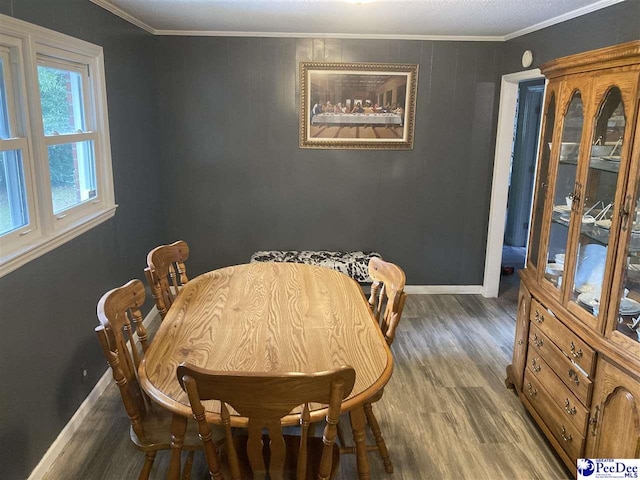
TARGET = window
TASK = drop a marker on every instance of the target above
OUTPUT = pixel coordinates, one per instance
(71, 163)
(55, 159)
(14, 212)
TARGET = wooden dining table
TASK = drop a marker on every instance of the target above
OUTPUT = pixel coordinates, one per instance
(268, 317)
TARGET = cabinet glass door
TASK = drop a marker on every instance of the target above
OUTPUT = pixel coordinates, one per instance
(564, 191)
(598, 204)
(623, 310)
(542, 177)
(625, 307)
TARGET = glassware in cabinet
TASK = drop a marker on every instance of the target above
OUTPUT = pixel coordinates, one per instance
(623, 321)
(598, 206)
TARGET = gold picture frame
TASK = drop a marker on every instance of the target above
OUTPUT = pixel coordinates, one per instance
(357, 105)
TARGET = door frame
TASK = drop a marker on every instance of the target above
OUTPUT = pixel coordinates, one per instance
(531, 98)
(500, 184)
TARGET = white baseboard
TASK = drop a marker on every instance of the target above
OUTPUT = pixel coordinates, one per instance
(83, 411)
(444, 289)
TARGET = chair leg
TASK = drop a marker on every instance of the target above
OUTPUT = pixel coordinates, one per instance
(186, 472)
(146, 468)
(377, 434)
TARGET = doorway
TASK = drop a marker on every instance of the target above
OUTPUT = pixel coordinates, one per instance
(523, 165)
(502, 170)
(520, 198)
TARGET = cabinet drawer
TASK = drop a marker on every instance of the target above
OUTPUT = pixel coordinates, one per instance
(567, 341)
(565, 432)
(570, 375)
(564, 398)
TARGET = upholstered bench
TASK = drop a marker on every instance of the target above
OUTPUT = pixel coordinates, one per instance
(353, 264)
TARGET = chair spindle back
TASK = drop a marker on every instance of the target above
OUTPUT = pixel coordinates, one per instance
(387, 295)
(120, 324)
(166, 273)
(264, 400)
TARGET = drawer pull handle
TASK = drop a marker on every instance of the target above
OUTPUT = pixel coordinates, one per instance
(574, 375)
(570, 411)
(593, 421)
(532, 391)
(539, 318)
(577, 354)
(566, 438)
(520, 342)
(537, 341)
(534, 365)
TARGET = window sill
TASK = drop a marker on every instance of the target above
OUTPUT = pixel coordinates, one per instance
(22, 256)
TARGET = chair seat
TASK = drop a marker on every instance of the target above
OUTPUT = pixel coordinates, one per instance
(292, 443)
(157, 430)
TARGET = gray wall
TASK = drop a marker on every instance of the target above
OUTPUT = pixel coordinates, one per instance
(47, 307)
(616, 24)
(229, 119)
(229, 113)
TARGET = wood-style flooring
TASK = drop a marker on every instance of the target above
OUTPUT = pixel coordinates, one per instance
(445, 414)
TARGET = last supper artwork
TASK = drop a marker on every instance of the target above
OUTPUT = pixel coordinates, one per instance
(358, 106)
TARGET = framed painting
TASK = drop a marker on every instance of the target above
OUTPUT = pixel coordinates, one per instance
(357, 105)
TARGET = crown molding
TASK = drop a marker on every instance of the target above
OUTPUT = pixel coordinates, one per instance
(107, 5)
(355, 36)
(562, 18)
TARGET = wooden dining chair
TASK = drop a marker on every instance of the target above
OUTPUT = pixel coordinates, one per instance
(386, 301)
(387, 296)
(166, 273)
(124, 340)
(264, 399)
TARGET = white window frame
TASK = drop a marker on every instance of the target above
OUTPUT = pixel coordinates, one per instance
(28, 46)
(11, 51)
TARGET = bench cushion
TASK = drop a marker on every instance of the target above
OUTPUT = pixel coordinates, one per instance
(353, 264)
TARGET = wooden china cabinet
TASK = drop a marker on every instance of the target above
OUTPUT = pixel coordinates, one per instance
(576, 358)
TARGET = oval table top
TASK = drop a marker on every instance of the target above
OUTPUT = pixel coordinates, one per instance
(267, 317)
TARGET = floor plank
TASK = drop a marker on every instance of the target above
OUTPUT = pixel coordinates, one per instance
(445, 413)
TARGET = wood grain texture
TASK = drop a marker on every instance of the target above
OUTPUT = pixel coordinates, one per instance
(515, 371)
(264, 399)
(386, 299)
(571, 345)
(565, 433)
(564, 398)
(166, 273)
(615, 432)
(151, 427)
(609, 57)
(566, 339)
(267, 317)
(387, 295)
(450, 355)
(573, 378)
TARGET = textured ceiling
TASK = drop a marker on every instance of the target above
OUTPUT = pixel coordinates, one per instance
(490, 19)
